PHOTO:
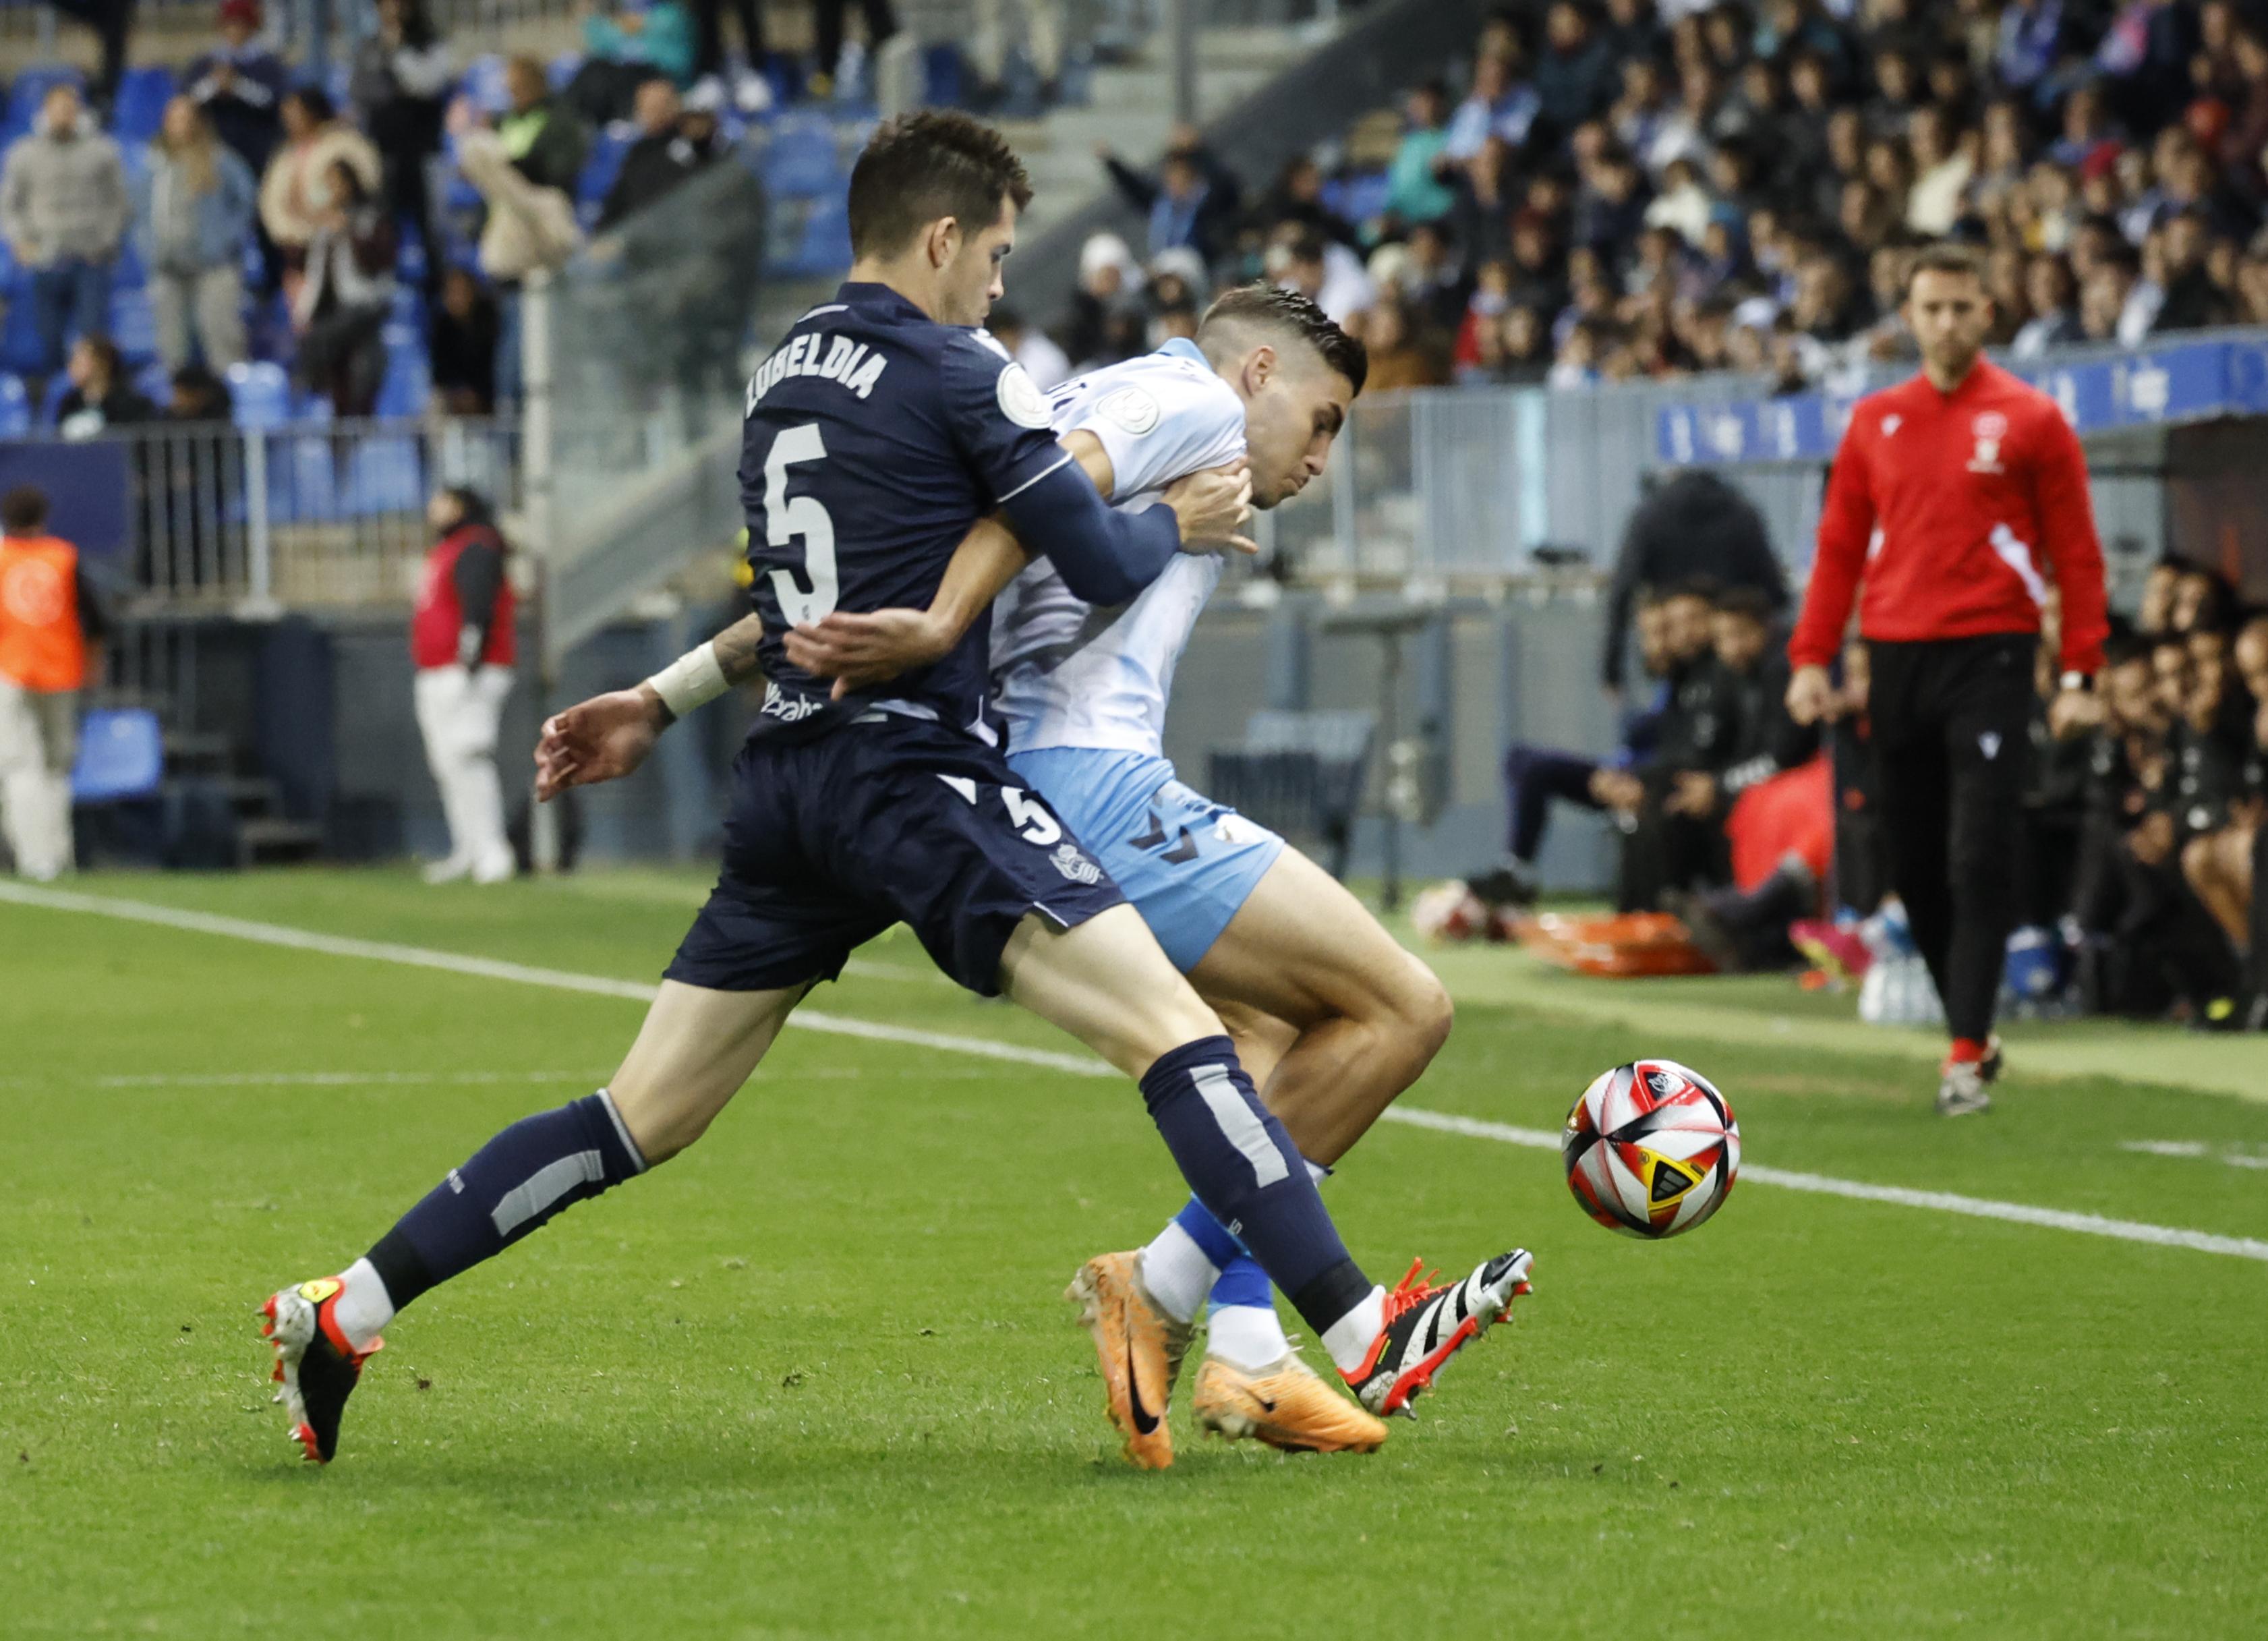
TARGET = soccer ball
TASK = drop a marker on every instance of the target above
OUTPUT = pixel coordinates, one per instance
(1651, 1149)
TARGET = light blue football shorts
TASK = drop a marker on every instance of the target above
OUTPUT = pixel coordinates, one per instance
(1186, 862)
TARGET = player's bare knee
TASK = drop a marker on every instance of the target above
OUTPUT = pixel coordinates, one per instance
(1426, 1009)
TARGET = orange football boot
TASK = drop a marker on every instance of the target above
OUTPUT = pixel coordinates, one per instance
(1286, 1405)
(1139, 1348)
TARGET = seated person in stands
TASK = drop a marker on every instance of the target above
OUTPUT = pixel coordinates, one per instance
(626, 48)
(465, 332)
(340, 307)
(541, 135)
(1535, 777)
(101, 394)
(674, 141)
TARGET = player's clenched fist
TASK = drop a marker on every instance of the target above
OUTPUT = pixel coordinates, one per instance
(1212, 506)
(603, 739)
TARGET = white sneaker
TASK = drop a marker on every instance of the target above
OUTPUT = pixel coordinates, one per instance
(449, 870)
(1960, 1089)
(496, 869)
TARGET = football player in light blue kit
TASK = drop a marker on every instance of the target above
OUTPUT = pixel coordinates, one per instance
(1336, 1018)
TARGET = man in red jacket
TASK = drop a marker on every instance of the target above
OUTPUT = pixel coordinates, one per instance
(1957, 497)
(461, 643)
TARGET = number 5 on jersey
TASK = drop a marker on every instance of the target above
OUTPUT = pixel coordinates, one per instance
(786, 518)
(1030, 818)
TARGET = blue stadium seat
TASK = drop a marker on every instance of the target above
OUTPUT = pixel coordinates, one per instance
(132, 326)
(563, 69)
(800, 161)
(154, 382)
(1358, 198)
(819, 246)
(121, 755)
(601, 168)
(262, 394)
(409, 381)
(484, 83)
(15, 408)
(302, 479)
(141, 109)
(384, 476)
(19, 335)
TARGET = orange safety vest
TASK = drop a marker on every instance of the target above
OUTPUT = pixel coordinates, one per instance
(41, 646)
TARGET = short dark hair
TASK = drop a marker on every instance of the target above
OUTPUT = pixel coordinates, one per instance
(1288, 312)
(1752, 602)
(922, 168)
(1945, 257)
(23, 510)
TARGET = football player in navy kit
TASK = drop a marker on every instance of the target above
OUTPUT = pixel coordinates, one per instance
(879, 433)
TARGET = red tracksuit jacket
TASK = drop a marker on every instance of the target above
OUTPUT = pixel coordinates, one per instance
(1956, 510)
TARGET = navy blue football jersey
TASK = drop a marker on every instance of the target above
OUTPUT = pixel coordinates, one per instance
(875, 439)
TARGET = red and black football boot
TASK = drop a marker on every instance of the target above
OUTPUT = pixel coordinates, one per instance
(1427, 1323)
(315, 1365)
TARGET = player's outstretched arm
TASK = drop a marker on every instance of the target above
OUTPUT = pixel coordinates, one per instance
(861, 649)
(608, 736)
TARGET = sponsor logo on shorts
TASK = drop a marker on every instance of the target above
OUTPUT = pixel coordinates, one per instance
(787, 708)
(1073, 862)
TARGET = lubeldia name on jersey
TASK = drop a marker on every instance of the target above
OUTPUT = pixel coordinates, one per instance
(854, 365)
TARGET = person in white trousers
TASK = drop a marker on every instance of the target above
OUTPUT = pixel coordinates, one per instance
(1042, 43)
(50, 626)
(462, 641)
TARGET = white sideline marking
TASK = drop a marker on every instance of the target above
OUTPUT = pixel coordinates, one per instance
(339, 1079)
(1944, 1201)
(521, 974)
(2194, 1148)
(1082, 1065)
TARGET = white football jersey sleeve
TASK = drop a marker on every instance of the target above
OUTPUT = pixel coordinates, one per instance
(1065, 674)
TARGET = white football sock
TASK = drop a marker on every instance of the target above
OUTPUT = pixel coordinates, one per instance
(365, 1307)
(1249, 1336)
(1177, 1273)
(1349, 1338)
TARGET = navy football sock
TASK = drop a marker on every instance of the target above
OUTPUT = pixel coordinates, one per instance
(1245, 1170)
(514, 1183)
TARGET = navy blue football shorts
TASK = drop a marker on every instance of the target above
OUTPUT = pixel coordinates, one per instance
(887, 820)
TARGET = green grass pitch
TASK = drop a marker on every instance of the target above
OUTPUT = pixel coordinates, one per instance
(816, 1378)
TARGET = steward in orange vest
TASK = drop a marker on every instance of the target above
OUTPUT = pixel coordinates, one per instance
(48, 614)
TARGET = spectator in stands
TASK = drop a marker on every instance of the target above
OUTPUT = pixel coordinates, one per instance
(1691, 525)
(463, 644)
(625, 49)
(1415, 191)
(1670, 842)
(541, 135)
(2055, 321)
(1328, 274)
(64, 210)
(531, 225)
(1403, 352)
(709, 37)
(341, 307)
(672, 143)
(192, 482)
(462, 348)
(1109, 279)
(1499, 106)
(826, 27)
(1043, 41)
(198, 206)
(2192, 300)
(113, 23)
(50, 626)
(1191, 201)
(400, 83)
(1046, 364)
(1575, 74)
(295, 194)
(240, 84)
(101, 394)
(1297, 197)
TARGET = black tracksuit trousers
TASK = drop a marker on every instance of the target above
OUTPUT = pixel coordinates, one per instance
(1951, 722)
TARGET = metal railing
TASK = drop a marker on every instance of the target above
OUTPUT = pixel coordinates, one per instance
(319, 513)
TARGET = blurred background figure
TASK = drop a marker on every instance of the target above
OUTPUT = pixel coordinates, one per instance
(462, 643)
(49, 621)
(195, 213)
(64, 210)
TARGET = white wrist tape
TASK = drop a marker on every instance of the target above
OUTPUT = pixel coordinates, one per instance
(692, 680)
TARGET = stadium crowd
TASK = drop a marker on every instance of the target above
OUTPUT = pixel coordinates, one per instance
(394, 208)
(1624, 189)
